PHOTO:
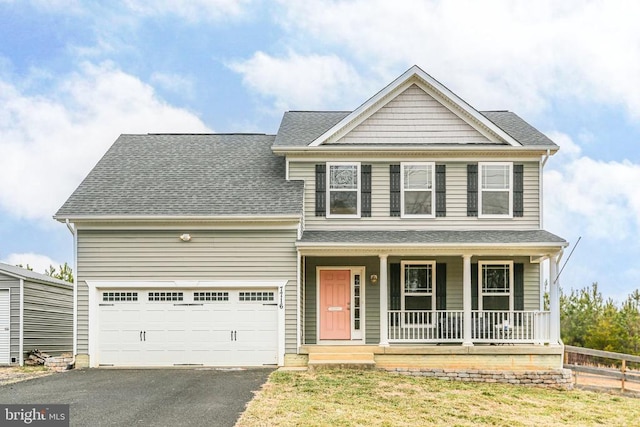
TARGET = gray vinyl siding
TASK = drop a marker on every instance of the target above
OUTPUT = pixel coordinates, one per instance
(456, 195)
(48, 318)
(13, 284)
(372, 294)
(210, 255)
(413, 117)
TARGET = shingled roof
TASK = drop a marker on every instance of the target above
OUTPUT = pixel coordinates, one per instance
(301, 128)
(187, 175)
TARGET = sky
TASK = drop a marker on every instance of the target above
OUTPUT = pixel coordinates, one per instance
(76, 74)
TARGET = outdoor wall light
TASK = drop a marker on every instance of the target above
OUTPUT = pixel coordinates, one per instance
(374, 279)
(185, 237)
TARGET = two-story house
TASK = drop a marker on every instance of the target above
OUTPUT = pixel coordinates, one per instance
(405, 233)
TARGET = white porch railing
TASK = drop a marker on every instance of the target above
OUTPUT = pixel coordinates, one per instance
(501, 327)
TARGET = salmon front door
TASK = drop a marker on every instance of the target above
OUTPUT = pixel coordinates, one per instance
(335, 302)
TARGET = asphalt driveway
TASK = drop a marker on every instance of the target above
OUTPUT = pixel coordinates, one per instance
(145, 397)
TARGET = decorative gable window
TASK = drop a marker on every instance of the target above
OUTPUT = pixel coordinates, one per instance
(343, 190)
(496, 285)
(495, 195)
(417, 189)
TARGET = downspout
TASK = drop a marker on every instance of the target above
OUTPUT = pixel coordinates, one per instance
(541, 187)
(75, 290)
(21, 333)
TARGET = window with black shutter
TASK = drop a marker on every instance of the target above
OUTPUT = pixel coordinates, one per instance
(394, 187)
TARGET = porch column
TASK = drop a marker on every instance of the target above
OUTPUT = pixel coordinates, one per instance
(554, 301)
(466, 300)
(384, 302)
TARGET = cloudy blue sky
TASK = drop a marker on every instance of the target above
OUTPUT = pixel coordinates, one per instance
(74, 75)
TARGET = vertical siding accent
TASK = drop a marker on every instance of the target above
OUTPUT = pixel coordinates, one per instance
(365, 191)
(290, 318)
(13, 285)
(441, 190)
(441, 286)
(472, 190)
(321, 191)
(518, 191)
(394, 190)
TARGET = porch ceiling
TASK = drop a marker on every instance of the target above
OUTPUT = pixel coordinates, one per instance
(440, 242)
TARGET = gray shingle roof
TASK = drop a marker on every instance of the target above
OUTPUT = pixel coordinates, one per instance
(187, 175)
(23, 273)
(481, 237)
(300, 128)
(518, 129)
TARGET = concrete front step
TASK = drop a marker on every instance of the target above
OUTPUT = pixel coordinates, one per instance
(341, 364)
(326, 357)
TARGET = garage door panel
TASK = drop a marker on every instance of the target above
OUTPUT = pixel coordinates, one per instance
(211, 327)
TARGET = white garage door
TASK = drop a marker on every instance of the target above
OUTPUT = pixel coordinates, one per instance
(203, 327)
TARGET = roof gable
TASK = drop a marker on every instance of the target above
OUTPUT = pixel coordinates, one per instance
(458, 110)
(415, 117)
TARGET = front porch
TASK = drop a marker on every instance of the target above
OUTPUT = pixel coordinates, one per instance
(517, 358)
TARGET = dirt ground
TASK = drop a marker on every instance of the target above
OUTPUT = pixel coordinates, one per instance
(14, 374)
(600, 383)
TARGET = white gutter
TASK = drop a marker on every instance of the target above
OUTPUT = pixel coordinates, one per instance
(21, 333)
(167, 218)
(75, 290)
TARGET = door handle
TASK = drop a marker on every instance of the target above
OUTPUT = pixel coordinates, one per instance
(140, 335)
(144, 335)
(235, 335)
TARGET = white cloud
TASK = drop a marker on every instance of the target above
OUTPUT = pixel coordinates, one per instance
(193, 10)
(592, 197)
(50, 142)
(496, 54)
(38, 262)
(307, 82)
(174, 83)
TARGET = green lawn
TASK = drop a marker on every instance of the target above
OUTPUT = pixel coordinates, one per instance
(378, 398)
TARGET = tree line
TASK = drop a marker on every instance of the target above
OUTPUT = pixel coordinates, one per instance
(589, 320)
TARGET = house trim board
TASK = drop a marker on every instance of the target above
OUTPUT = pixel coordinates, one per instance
(21, 334)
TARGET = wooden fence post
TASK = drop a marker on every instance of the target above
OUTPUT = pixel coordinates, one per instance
(623, 369)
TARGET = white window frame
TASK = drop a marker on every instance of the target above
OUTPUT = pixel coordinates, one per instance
(329, 190)
(404, 294)
(482, 294)
(481, 190)
(432, 190)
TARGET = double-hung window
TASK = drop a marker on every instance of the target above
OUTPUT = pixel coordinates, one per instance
(495, 198)
(495, 285)
(343, 185)
(418, 287)
(418, 189)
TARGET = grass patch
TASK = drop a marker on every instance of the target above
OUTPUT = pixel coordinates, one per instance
(378, 398)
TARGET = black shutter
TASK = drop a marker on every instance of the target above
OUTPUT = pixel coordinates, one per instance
(321, 190)
(472, 190)
(518, 287)
(441, 190)
(441, 286)
(365, 191)
(474, 286)
(394, 184)
(394, 287)
(518, 190)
